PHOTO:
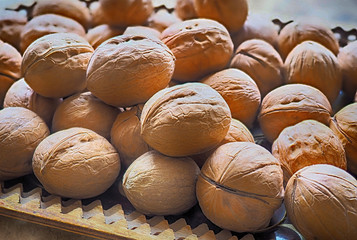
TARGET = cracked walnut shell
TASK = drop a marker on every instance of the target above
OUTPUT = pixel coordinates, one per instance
(185, 119)
(240, 187)
(321, 202)
(76, 163)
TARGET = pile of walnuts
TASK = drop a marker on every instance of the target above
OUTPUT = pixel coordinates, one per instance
(173, 100)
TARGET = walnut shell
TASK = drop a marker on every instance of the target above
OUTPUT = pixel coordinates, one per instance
(312, 64)
(55, 64)
(73, 9)
(231, 13)
(237, 132)
(162, 19)
(185, 119)
(76, 163)
(10, 68)
(99, 34)
(239, 91)
(261, 62)
(185, 9)
(127, 70)
(347, 60)
(257, 26)
(302, 30)
(240, 187)
(11, 25)
(142, 30)
(321, 202)
(306, 143)
(86, 111)
(201, 47)
(344, 124)
(46, 24)
(126, 137)
(20, 94)
(21, 130)
(126, 12)
(156, 184)
(291, 104)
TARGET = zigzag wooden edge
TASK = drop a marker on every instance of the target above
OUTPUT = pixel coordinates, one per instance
(92, 220)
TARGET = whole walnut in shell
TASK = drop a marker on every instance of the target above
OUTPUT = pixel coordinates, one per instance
(86, 111)
(55, 65)
(11, 25)
(21, 130)
(21, 95)
(99, 34)
(239, 91)
(306, 143)
(321, 202)
(231, 13)
(10, 68)
(127, 70)
(261, 62)
(74, 9)
(185, 119)
(156, 184)
(290, 104)
(126, 12)
(185, 9)
(126, 137)
(240, 187)
(46, 24)
(237, 132)
(257, 26)
(76, 163)
(344, 124)
(347, 60)
(312, 64)
(303, 30)
(201, 47)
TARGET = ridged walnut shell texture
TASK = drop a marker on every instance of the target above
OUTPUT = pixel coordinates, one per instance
(261, 62)
(347, 59)
(73, 9)
(231, 13)
(86, 111)
(185, 119)
(127, 70)
(126, 12)
(321, 202)
(126, 136)
(160, 185)
(237, 132)
(21, 130)
(201, 47)
(257, 26)
(11, 25)
(240, 187)
(55, 65)
(306, 143)
(142, 30)
(21, 95)
(10, 68)
(99, 34)
(46, 24)
(162, 19)
(344, 124)
(302, 30)
(76, 163)
(290, 104)
(312, 64)
(239, 91)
